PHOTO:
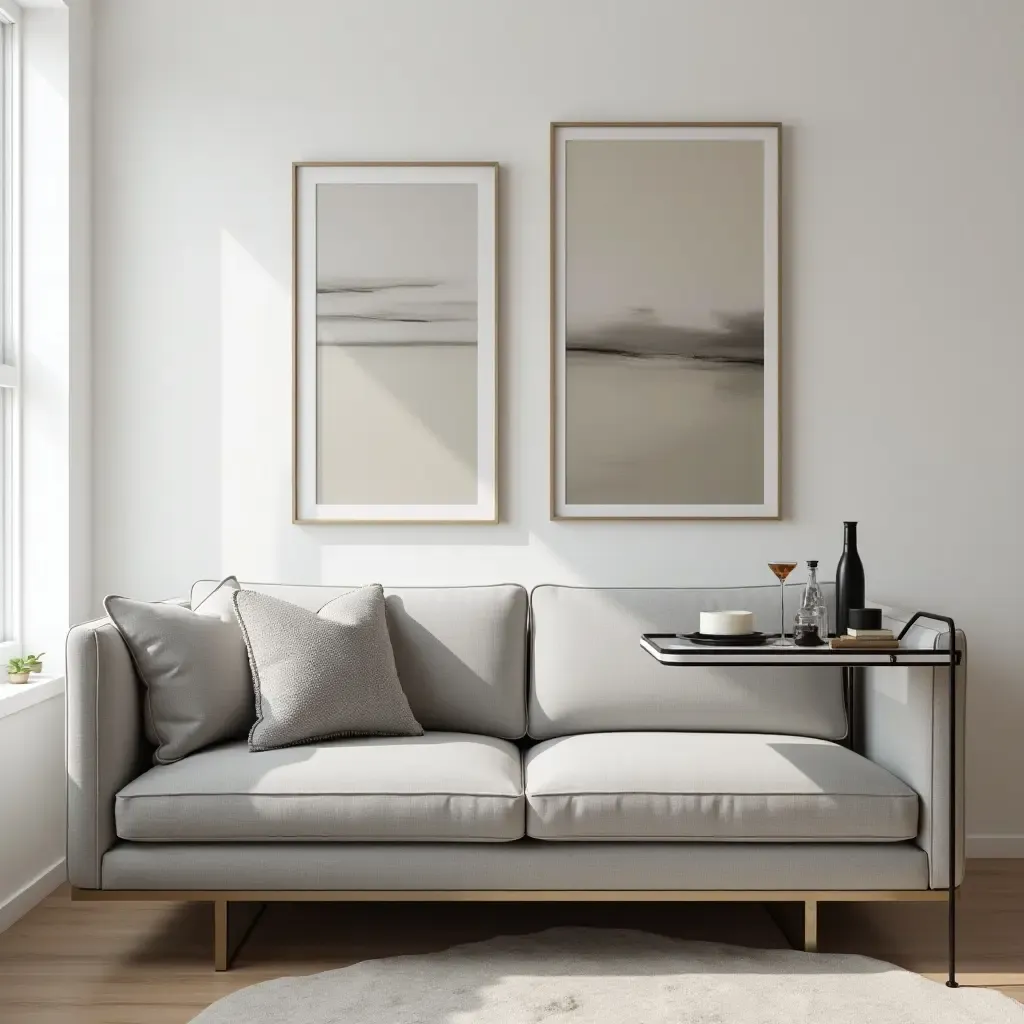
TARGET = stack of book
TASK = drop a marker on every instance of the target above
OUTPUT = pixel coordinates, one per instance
(865, 640)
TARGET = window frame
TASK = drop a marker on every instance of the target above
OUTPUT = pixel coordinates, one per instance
(10, 329)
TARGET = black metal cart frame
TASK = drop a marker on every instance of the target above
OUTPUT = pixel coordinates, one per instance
(850, 659)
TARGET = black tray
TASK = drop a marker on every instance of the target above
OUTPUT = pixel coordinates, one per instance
(721, 640)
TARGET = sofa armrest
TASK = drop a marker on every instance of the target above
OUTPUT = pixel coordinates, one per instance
(106, 745)
(906, 730)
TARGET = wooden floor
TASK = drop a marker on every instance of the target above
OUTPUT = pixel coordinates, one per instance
(116, 963)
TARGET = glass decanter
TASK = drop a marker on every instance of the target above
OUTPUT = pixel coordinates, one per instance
(813, 607)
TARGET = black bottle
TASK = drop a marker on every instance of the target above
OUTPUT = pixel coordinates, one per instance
(849, 580)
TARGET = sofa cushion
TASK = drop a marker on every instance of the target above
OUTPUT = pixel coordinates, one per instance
(442, 786)
(713, 786)
(589, 673)
(460, 651)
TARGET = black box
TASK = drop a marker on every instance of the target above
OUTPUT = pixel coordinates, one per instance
(865, 618)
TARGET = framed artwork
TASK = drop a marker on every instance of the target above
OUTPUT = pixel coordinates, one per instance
(395, 342)
(665, 321)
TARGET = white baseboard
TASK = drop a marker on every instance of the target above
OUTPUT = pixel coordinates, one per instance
(985, 845)
(29, 895)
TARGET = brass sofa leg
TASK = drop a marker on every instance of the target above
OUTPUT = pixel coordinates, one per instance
(226, 946)
(811, 926)
(220, 935)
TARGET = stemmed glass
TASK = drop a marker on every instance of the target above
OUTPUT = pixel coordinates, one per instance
(782, 571)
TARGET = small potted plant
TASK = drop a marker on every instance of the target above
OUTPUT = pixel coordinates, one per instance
(34, 661)
(18, 670)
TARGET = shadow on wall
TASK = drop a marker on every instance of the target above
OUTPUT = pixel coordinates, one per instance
(255, 482)
(256, 452)
(257, 539)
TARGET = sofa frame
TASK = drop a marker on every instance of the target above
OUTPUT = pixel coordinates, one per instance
(227, 945)
(237, 910)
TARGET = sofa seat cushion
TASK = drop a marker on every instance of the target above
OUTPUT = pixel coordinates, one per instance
(441, 786)
(712, 786)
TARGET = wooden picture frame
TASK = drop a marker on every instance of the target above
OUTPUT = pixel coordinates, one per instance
(395, 342)
(665, 320)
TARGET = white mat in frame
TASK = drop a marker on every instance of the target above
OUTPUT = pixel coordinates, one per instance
(395, 311)
(665, 320)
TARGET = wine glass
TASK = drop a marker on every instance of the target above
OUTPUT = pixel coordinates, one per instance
(782, 571)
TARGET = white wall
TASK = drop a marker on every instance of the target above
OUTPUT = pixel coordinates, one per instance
(45, 361)
(80, 42)
(56, 319)
(56, 440)
(903, 269)
(32, 806)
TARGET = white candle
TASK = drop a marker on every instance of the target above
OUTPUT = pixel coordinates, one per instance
(727, 623)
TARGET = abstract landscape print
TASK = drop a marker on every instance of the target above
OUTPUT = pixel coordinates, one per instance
(395, 343)
(665, 321)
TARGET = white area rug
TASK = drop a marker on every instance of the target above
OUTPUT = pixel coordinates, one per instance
(597, 976)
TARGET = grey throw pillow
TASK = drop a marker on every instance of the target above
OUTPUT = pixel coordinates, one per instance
(324, 675)
(194, 667)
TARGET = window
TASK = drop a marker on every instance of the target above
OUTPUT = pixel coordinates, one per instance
(9, 334)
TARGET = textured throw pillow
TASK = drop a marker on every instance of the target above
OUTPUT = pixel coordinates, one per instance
(194, 667)
(324, 675)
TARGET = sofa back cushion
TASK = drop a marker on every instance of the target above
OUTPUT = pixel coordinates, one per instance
(460, 651)
(589, 673)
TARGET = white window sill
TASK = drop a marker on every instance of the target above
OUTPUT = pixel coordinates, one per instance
(15, 697)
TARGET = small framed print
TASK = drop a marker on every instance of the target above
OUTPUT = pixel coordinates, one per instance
(395, 342)
(665, 321)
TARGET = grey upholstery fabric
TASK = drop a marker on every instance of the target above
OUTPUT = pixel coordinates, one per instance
(461, 657)
(527, 864)
(906, 729)
(105, 744)
(317, 676)
(460, 651)
(443, 786)
(589, 673)
(717, 786)
(193, 664)
(906, 716)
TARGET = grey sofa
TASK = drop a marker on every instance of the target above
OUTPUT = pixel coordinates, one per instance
(560, 761)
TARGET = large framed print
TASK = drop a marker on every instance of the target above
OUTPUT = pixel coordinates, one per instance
(395, 342)
(665, 321)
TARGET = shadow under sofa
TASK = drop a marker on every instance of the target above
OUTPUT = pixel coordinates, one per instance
(560, 762)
